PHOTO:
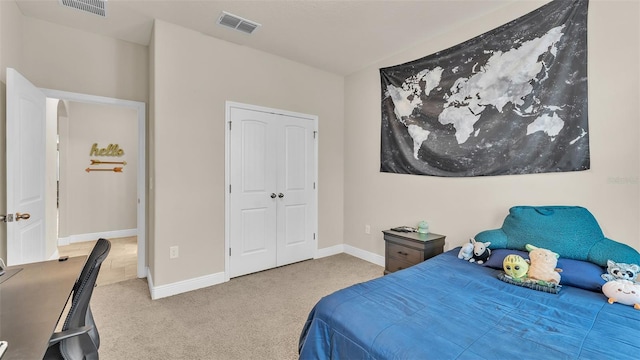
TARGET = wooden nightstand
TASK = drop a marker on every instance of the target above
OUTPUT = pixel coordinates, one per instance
(407, 249)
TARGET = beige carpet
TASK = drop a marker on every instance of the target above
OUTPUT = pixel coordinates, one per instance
(257, 316)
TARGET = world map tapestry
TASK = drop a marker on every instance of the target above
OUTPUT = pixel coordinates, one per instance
(510, 101)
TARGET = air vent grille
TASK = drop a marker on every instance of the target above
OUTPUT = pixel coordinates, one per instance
(237, 23)
(96, 7)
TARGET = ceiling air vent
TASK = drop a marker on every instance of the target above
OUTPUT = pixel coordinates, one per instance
(237, 23)
(96, 7)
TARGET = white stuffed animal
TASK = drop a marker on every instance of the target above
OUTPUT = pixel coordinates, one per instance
(622, 291)
(466, 252)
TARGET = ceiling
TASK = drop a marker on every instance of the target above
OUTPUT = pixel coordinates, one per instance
(337, 36)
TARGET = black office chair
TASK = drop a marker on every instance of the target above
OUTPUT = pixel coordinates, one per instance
(79, 338)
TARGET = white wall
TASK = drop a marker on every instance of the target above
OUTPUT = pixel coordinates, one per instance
(98, 201)
(461, 207)
(194, 75)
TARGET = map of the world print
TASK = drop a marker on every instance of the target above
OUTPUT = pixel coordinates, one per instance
(510, 101)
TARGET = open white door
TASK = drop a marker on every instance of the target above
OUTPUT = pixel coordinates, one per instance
(26, 107)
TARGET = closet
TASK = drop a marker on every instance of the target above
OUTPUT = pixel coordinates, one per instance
(271, 214)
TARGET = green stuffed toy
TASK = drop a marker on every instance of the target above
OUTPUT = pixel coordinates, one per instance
(538, 273)
(516, 267)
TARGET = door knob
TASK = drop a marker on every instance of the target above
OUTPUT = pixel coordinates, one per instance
(273, 195)
(280, 195)
(24, 216)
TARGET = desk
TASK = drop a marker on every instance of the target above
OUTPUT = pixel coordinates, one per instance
(31, 303)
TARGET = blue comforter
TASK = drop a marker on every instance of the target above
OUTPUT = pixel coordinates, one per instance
(446, 308)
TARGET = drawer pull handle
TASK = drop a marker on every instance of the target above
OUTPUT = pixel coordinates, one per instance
(403, 253)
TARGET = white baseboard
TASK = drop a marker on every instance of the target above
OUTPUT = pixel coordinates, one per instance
(95, 236)
(364, 255)
(332, 250)
(161, 291)
(351, 250)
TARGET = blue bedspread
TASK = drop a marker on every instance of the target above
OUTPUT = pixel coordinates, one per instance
(446, 308)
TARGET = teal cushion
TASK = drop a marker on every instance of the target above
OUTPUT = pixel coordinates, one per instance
(570, 231)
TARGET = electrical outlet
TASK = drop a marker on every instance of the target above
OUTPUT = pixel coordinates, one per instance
(173, 252)
(367, 229)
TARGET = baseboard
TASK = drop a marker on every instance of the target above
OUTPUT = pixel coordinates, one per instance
(351, 250)
(364, 255)
(95, 236)
(161, 291)
(332, 250)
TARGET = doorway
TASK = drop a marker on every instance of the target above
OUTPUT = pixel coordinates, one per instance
(271, 197)
(140, 190)
(31, 239)
(96, 192)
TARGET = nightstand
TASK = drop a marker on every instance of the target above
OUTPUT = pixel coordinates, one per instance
(407, 249)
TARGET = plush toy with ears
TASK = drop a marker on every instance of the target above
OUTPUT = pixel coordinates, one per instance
(543, 265)
(621, 271)
(466, 252)
(481, 251)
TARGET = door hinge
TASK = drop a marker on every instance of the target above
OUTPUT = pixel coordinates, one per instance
(229, 188)
(229, 125)
(314, 185)
(314, 236)
(315, 133)
(229, 251)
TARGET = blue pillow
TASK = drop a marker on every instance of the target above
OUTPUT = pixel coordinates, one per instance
(583, 274)
(576, 273)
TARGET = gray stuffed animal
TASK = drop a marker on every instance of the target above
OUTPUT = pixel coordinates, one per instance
(621, 271)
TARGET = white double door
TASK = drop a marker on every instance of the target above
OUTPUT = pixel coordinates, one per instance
(272, 212)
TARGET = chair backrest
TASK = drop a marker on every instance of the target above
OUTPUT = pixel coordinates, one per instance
(83, 289)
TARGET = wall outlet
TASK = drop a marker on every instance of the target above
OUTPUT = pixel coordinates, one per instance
(367, 229)
(173, 252)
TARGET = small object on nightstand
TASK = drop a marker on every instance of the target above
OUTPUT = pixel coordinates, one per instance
(404, 229)
(423, 227)
(403, 250)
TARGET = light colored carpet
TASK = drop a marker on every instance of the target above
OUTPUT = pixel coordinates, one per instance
(257, 316)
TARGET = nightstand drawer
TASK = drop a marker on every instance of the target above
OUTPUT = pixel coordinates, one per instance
(403, 253)
(403, 250)
(394, 265)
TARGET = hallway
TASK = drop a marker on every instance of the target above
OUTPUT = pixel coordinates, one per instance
(121, 263)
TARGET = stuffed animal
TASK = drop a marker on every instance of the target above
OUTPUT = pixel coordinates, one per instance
(481, 251)
(515, 266)
(466, 252)
(621, 271)
(622, 291)
(543, 265)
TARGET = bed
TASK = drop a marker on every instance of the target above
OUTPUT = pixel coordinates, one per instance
(447, 308)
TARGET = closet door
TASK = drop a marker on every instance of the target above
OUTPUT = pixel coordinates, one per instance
(296, 208)
(253, 201)
(272, 197)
